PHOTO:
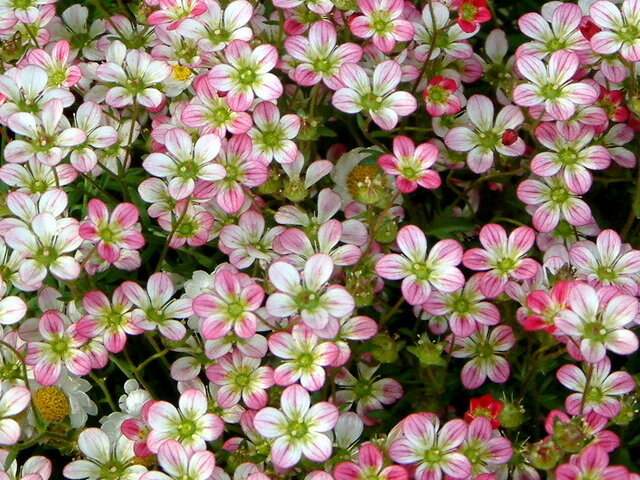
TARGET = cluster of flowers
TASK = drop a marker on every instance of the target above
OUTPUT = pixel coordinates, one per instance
(184, 229)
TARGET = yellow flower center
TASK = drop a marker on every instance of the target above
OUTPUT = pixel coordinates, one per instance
(361, 177)
(181, 73)
(52, 404)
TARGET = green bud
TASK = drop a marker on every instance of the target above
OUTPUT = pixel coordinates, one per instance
(387, 348)
(294, 190)
(429, 353)
(511, 415)
(544, 454)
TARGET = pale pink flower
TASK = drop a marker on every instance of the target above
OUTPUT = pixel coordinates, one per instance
(607, 262)
(592, 462)
(599, 393)
(110, 320)
(239, 376)
(620, 29)
(551, 200)
(382, 21)
(421, 272)
(596, 327)
(562, 32)
(185, 162)
(180, 464)
(366, 390)
(487, 135)
(318, 58)
(464, 309)
(410, 164)
(61, 71)
(102, 455)
(46, 138)
(449, 38)
(502, 257)
(231, 305)
(13, 400)
(189, 424)
(45, 245)
(484, 347)
(298, 428)
(174, 12)
(132, 76)
(26, 91)
(215, 28)
(59, 349)
(305, 356)
(112, 232)
(156, 309)
(12, 308)
(273, 134)
(211, 113)
(572, 158)
(484, 449)
(90, 119)
(432, 447)
(247, 241)
(370, 466)
(551, 85)
(375, 95)
(309, 297)
(194, 228)
(34, 178)
(246, 74)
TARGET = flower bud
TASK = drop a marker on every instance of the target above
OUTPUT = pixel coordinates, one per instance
(544, 454)
(511, 415)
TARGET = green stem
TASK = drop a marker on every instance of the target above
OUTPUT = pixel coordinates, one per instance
(103, 386)
(153, 357)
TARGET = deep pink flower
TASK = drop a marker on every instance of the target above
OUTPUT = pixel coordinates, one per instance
(441, 97)
(173, 12)
(471, 13)
(410, 164)
(112, 232)
(370, 466)
(382, 21)
(486, 450)
(421, 272)
(502, 257)
(592, 463)
(545, 307)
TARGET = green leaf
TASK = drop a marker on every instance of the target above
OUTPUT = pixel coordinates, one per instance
(447, 226)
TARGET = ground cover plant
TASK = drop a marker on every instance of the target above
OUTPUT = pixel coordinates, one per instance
(319, 240)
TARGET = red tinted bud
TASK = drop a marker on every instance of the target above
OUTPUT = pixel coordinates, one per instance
(589, 29)
(509, 137)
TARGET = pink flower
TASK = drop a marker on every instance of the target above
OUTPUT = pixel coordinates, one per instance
(620, 32)
(598, 394)
(112, 233)
(273, 135)
(501, 257)
(110, 320)
(156, 309)
(61, 71)
(132, 76)
(319, 58)
(382, 21)
(231, 305)
(552, 201)
(367, 391)
(298, 428)
(441, 97)
(185, 162)
(464, 308)
(471, 13)
(598, 328)
(173, 12)
(60, 348)
(305, 356)
(551, 85)
(239, 376)
(545, 307)
(449, 37)
(194, 227)
(308, 297)
(13, 400)
(246, 74)
(421, 272)
(90, 119)
(375, 95)
(435, 450)
(181, 464)
(411, 164)
(487, 135)
(607, 262)
(484, 347)
(572, 158)
(190, 424)
(483, 448)
(370, 466)
(592, 462)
